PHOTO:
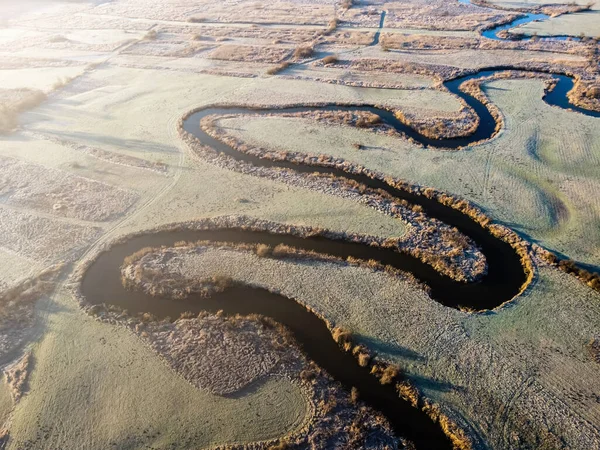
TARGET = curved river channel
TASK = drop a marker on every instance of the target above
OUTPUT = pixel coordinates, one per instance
(504, 279)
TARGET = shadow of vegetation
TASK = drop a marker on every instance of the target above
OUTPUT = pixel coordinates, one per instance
(249, 389)
(391, 349)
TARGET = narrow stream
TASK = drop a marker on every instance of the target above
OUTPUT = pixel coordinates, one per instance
(492, 33)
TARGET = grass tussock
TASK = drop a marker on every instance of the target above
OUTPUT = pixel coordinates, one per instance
(15, 102)
(303, 52)
(368, 120)
(347, 4)
(331, 59)
(263, 250)
(408, 392)
(278, 68)
(24, 294)
(332, 25)
(151, 35)
(459, 439)
(569, 266)
(354, 395)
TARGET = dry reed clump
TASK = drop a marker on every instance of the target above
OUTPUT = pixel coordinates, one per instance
(14, 102)
(16, 376)
(332, 25)
(408, 392)
(354, 395)
(197, 19)
(437, 72)
(585, 94)
(346, 37)
(278, 68)
(460, 441)
(151, 35)
(386, 374)
(347, 4)
(263, 250)
(464, 123)
(592, 279)
(250, 53)
(303, 52)
(331, 59)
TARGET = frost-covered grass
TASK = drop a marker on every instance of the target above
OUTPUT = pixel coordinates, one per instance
(538, 175)
(526, 354)
(100, 383)
(568, 24)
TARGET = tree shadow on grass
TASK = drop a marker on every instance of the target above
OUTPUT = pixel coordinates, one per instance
(391, 350)
(250, 389)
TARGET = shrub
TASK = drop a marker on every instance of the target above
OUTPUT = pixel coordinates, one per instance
(151, 35)
(367, 121)
(57, 38)
(333, 23)
(354, 395)
(341, 336)
(278, 68)
(389, 374)
(222, 282)
(9, 111)
(304, 51)
(331, 59)
(307, 375)
(196, 19)
(408, 392)
(593, 92)
(263, 250)
(363, 359)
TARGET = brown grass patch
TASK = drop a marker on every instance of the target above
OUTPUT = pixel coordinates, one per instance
(250, 53)
(331, 59)
(275, 70)
(303, 52)
(263, 250)
(14, 102)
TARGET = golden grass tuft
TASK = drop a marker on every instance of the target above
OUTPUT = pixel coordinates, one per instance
(278, 68)
(331, 59)
(304, 51)
(264, 250)
(15, 103)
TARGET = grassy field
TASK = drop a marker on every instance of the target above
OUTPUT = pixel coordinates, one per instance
(569, 24)
(499, 372)
(95, 386)
(536, 177)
